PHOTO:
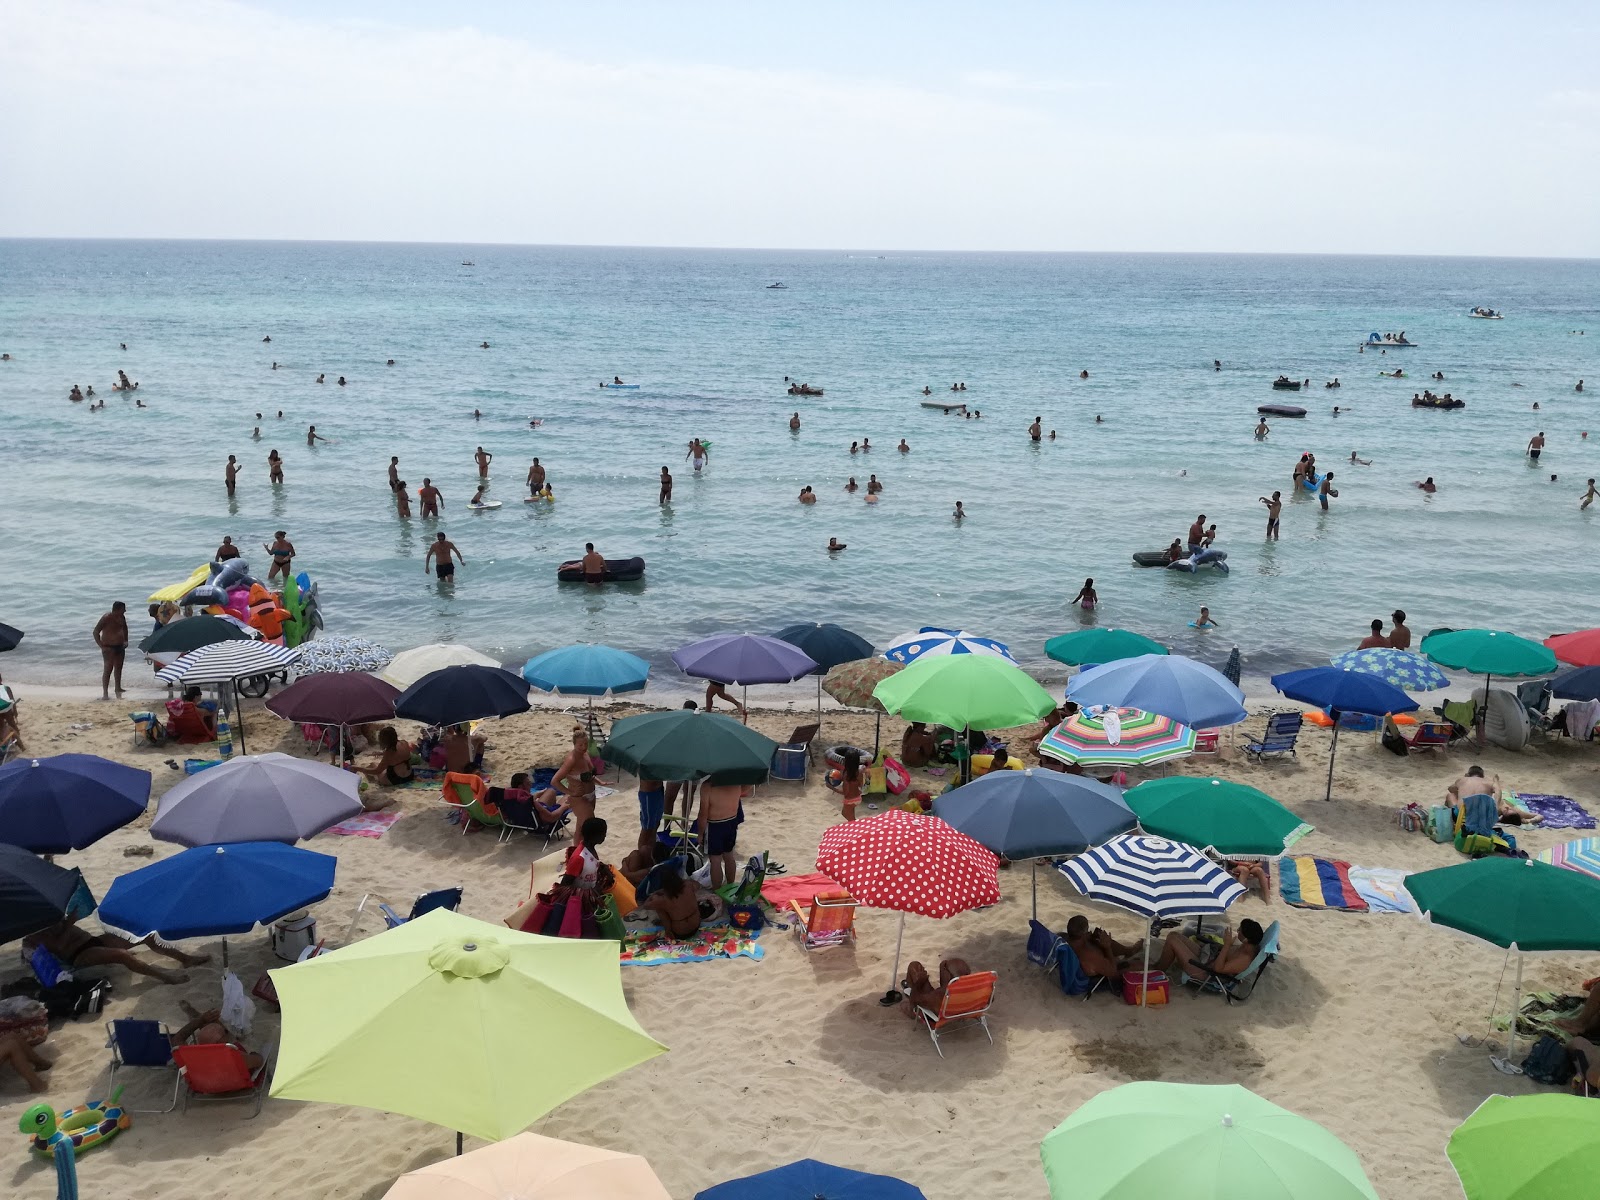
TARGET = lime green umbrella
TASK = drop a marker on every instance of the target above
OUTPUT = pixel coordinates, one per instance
(1540, 1147)
(1488, 652)
(1232, 818)
(1100, 646)
(455, 1021)
(1199, 1141)
(965, 691)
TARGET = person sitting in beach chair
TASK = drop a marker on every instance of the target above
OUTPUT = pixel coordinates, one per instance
(463, 750)
(1100, 955)
(519, 808)
(920, 990)
(1587, 1021)
(1199, 960)
(1250, 874)
(187, 722)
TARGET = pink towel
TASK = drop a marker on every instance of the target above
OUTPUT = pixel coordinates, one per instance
(778, 892)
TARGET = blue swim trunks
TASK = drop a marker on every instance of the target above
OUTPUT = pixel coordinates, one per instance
(652, 805)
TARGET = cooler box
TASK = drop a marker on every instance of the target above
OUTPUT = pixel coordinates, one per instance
(1136, 983)
(293, 935)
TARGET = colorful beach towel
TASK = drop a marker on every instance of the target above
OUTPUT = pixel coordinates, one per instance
(367, 825)
(1307, 882)
(1556, 812)
(1383, 888)
(1540, 1012)
(654, 948)
(784, 888)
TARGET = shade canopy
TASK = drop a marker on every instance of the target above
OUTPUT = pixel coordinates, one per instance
(1580, 683)
(1402, 668)
(1032, 813)
(587, 669)
(909, 863)
(1153, 877)
(965, 691)
(224, 662)
(1344, 689)
(689, 744)
(1488, 652)
(10, 635)
(427, 1020)
(411, 665)
(1581, 855)
(33, 893)
(851, 683)
(1519, 904)
(744, 658)
(809, 1179)
(214, 890)
(336, 698)
(1231, 818)
(68, 801)
(1581, 649)
(1100, 646)
(1544, 1146)
(1169, 684)
(257, 798)
(190, 633)
(530, 1166)
(342, 652)
(827, 645)
(1118, 737)
(455, 695)
(932, 641)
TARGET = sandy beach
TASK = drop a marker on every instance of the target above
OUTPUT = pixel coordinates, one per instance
(1355, 1027)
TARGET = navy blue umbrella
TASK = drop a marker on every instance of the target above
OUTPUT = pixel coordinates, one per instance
(809, 1179)
(211, 890)
(1035, 813)
(1580, 683)
(33, 893)
(68, 801)
(1342, 690)
(10, 635)
(453, 695)
(828, 645)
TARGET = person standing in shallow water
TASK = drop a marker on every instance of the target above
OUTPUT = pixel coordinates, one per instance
(666, 487)
(111, 635)
(230, 473)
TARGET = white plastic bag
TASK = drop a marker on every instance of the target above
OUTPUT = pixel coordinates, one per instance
(238, 1010)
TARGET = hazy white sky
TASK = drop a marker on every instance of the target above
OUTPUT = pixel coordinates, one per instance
(1425, 128)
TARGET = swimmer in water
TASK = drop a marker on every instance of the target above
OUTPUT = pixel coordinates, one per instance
(852, 485)
(255, 434)
(1204, 621)
(616, 379)
(483, 345)
(926, 390)
(1427, 485)
(1052, 435)
(390, 363)
(1083, 374)
(834, 544)
(855, 447)
(1359, 462)
(1261, 429)
(903, 448)
(341, 381)
(698, 454)
(1588, 497)
(1099, 420)
(873, 486)
(960, 513)
(322, 379)
(313, 437)
(1035, 431)
(794, 423)
(866, 445)
(807, 496)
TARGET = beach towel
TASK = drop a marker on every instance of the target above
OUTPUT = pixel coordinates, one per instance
(1555, 812)
(1540, 1012)
(653, 948)
(367, 825)
(1307, 882)
(784, 888)
(1383, 888)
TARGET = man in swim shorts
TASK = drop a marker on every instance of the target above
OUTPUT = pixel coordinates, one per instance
(652, 804)
(441, 549)
(111, 635)
(594, 564)
(77, 948)
(1197, 533)
(715, 691)
(483, 458)
(721, 811)
(1535, 445)
(535, 478)
(1325, 489)
(430, 497)
(698, 454)
(1035, 431)
(394, 472)
(1274, 511)
(230, 473)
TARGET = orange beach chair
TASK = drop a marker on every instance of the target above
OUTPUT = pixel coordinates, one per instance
(830, 922)
(967, 999)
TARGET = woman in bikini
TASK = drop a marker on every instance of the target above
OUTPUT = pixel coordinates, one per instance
(392, 768)
(574, 779)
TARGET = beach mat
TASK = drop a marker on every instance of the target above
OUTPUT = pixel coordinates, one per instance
(367, 825)
(784, 888)
(1383, 889)
(654, 948)
(1307, 882)
(1555, 812)
(1540, 1012)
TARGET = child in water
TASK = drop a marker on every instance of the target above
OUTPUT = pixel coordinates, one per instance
(1086, 597)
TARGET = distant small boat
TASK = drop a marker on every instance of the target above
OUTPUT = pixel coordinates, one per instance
(1280, 410)
(1388, 341)
(1487, 314)
(784, 286)
(468, 263)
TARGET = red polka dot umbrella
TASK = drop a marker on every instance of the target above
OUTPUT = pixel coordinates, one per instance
(910, 864)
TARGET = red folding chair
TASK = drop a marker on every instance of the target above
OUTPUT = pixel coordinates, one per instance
(220, 1071)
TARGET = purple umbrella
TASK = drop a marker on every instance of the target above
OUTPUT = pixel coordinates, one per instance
(744, 658)
(341, 698)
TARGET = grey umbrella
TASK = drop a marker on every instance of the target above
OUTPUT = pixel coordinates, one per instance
(256, 798)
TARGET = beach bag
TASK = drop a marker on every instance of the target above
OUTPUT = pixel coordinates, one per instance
(746, 917)
(76, 997)
(1151, 985)
(1440, 824)
(1414, 818)
(607, 921)
(1548, 1062)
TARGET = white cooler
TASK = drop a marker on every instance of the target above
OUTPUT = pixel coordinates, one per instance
(293, 935)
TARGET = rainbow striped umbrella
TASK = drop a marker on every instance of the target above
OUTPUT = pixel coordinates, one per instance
(1132, 738)
(1582, 856)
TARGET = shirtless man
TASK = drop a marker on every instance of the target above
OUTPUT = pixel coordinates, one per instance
(960, 512)
(1101, 955)
(1274, 511)
(282, 551)
(1036, 430)
(794, 423)
(230, 473)
(226, 551)
(111, 635)
(718, 822)
(1325, 489)
(394, 472)
(903, 448)
(920, 992)
(1238, 952)
(483, 458)
(666, 487)
(1475, 783)
(1535, 445)
(1197, 533)
(1359, 462)
(715, 691)
(594, 565)
(1262, 430)
(274, 467)
(873, 486)
(1399, 635)
(78, 948)
(852, 486)
(698, 454)
(1375, 639)
(430, 497)
(807, 496)
(535, 478)
(441, 549)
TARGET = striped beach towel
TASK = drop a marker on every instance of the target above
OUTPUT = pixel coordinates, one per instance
(1307, 882)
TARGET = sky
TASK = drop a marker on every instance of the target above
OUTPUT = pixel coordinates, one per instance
(1395, 128)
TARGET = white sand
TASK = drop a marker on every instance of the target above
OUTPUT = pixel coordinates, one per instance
(791, 1057)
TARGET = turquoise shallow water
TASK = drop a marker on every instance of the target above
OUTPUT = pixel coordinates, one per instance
(113, 504)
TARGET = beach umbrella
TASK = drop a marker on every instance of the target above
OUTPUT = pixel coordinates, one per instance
(687, 743)
(411, 665)
(1153, 877)
(931, 642)
(456, 695)
(909, 863)
(1170, 684)
(1402, 668)
(851, 685)
(1342, 690)
(428, 1020)
(1581, 649)
(217, 890)
(530, 1166)
(33, 893)
(828, 646)
(1231, 818)
(1540, 1147)
(1582, 855)
(259, 798)
(228, 662)
(68, 801)
(1200, 1141)
(809, 1179)
(1035, 814)
(1234, 667)
(1100, 646)
(965, 691)
(190, 633)
(1117, 737)
(10, 635)
(1488, 652)
(744, 658)
(587, 669)
(1521, 905)
(336, 698)
(342, 652)
(1580, 683)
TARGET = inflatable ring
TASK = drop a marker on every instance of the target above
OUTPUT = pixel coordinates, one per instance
(834, 755)
(94, 1123)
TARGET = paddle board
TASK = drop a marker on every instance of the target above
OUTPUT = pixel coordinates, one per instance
(487, 504)
(626, 387)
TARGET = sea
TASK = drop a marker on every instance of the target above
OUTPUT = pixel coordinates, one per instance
(113, 504)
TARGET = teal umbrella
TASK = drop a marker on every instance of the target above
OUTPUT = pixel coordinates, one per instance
(1488, 652)
(1100, 646)
(689, 744)
(1231, 818)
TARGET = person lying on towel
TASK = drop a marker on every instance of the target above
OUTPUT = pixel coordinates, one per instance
(920, 992)
(1237, 952)
(1100, 954)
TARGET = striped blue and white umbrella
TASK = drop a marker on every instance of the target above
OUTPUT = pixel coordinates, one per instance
(1402, 668)
(223, 662)
(931, 640)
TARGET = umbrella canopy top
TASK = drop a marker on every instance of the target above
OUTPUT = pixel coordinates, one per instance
(1115, 737)
(10, 635)
(931, 642)
(1513, 903)
(33, 893)
(587, 669)
(419, 987)
(910, 863)
(1581, 855)
(223, 662)
(827, 644)
(689, 744)
(1153, 877)
(965, 691)
(411, 665)
(190, 633)
(1199, 1140)
(1232, 818)
(532, 1167)
(1535, 1147)
(1031, 814)
(257, 798)
(336, 698)
(1402, 668)
(1488, 652)
(1100, 646)
(1170, 684)
(1343, 689)
(744, 658)
(212, 890)
(851, 683)
(809, 1179)
(68, 801)
(342, 652)
(1580, 683)
(1581, 649)
(454, 695)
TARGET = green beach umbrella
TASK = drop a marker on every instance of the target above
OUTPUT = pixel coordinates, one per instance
(965, 691)
(1100, 646)
(1198, 1141)
(437, 1018)
(1488, 652)
(1232, 818)
(689, 744)
(1540, 1147)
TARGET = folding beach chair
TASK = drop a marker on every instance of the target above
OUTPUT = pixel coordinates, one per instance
(1461, 716)
(1282, 730)
(830, 922)
(470, 794)
(967, 1000)
(1207, 741)
(446, 898)
(792, 759)
(1238, 987)
(1430, 735)
(683, 840)
(146, 1045)
(1042, 944)
(653, 877)
(518, 813)
(220, 1071)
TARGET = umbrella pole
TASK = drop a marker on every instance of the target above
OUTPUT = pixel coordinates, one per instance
(1483, 714)
(744, 703)
(1508, 1064)
(238, 715)
(1144, 990)
(1035, 865)
(877, 733)
(1332, 751)
(892, 996)
(819, 701)
(458, 1143)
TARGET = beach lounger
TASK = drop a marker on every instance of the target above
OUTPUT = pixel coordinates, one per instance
(1283, 729)
(967, 1000)
(470, 793)
(219, 1071)
(1238, 987)
(146, 1045)
(1430, 735)
(446, 898)
(830, 921)
(518, 813)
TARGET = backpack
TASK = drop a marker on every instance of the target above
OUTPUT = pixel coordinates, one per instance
(76, 997)
(1548, 1062)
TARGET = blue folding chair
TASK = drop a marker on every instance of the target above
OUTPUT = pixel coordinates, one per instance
(1283, 729)
(447, 898)
(146, 1045)
(1042, 944)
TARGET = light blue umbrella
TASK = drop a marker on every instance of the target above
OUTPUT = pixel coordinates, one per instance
(587, 669)
(1402, 668)
(931, 640)
(1189, 692)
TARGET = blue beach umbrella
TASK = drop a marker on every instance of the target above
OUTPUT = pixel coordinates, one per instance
(931, 640)
(587, 669)
(1189, 692)
(453, 695)
(1402, 668)
(216, 890)
(34, 893)
(830, 645)
(1342, 690)
(809, 1179)
(10, 635)
(68, 801)
(1580, 683)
